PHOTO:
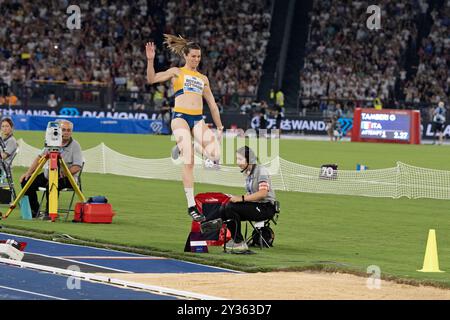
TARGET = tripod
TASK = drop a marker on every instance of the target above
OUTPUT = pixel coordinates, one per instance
(7, 170)
(53, 156)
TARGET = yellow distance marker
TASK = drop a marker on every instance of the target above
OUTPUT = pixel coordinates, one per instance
(431, 260)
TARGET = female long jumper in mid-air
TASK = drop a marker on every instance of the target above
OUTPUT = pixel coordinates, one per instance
(190, 87)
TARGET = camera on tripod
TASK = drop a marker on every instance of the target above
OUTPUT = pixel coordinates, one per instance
(53, 135)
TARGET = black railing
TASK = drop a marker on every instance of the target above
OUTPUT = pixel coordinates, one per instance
(104, 96)
(38, 93)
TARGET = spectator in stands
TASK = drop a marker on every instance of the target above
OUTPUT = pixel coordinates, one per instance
(52, 101)
(12, 100)
(72, 156)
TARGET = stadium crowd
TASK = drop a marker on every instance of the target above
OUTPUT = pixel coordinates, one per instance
(346, 60)
(233, 35)
(432, 81)
(346, 64)
(35, 43)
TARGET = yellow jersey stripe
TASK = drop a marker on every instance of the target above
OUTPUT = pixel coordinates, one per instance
(192, 112)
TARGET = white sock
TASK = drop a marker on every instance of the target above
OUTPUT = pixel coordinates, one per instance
(190, 196)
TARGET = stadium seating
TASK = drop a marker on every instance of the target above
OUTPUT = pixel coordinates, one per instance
(111, 45)
(346, 60)
(431, 82)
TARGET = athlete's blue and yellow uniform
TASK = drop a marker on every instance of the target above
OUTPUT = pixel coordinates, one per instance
(189, 82)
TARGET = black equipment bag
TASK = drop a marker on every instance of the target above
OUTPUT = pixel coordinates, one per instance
(267, 234)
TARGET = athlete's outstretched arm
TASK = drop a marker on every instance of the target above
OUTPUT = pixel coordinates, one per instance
(153, 77)
(209, 97)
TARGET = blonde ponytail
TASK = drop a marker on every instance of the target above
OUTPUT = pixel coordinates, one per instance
(179, 45)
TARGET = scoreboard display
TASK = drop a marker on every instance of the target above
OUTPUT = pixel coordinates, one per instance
(385, 126)
(388, 125)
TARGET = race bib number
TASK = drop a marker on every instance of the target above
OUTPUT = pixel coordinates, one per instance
(193, 84)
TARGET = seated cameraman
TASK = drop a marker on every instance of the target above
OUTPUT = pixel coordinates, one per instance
(72, 156)
(257, 205)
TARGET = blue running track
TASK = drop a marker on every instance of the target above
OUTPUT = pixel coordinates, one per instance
(25, 284)
(28, 284)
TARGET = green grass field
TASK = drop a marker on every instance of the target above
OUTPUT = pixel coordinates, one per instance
(315, 231)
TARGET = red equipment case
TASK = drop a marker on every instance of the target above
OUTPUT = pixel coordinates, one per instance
(207, 203)
(93, 212)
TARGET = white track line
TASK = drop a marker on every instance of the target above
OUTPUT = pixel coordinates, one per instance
(111, 258)
(76, 262)
(112, 281)
(113, 250)
(33, 293)
(70, 244)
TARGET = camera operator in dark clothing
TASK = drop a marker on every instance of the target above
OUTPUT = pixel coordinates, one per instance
(257, 204)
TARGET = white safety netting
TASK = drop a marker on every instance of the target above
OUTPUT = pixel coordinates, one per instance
(401, 181)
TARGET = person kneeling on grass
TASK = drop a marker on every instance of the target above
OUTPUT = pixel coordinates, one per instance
(257, 205)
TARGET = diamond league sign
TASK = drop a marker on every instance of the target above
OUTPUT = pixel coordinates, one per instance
(156, 127)
(76, 112)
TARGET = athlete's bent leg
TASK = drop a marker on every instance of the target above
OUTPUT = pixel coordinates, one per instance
(182, 134)
(207, 140)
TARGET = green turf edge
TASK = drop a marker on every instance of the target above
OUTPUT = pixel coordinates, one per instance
(315, 267)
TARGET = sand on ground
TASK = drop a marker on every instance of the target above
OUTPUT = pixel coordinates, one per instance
(287, 286)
